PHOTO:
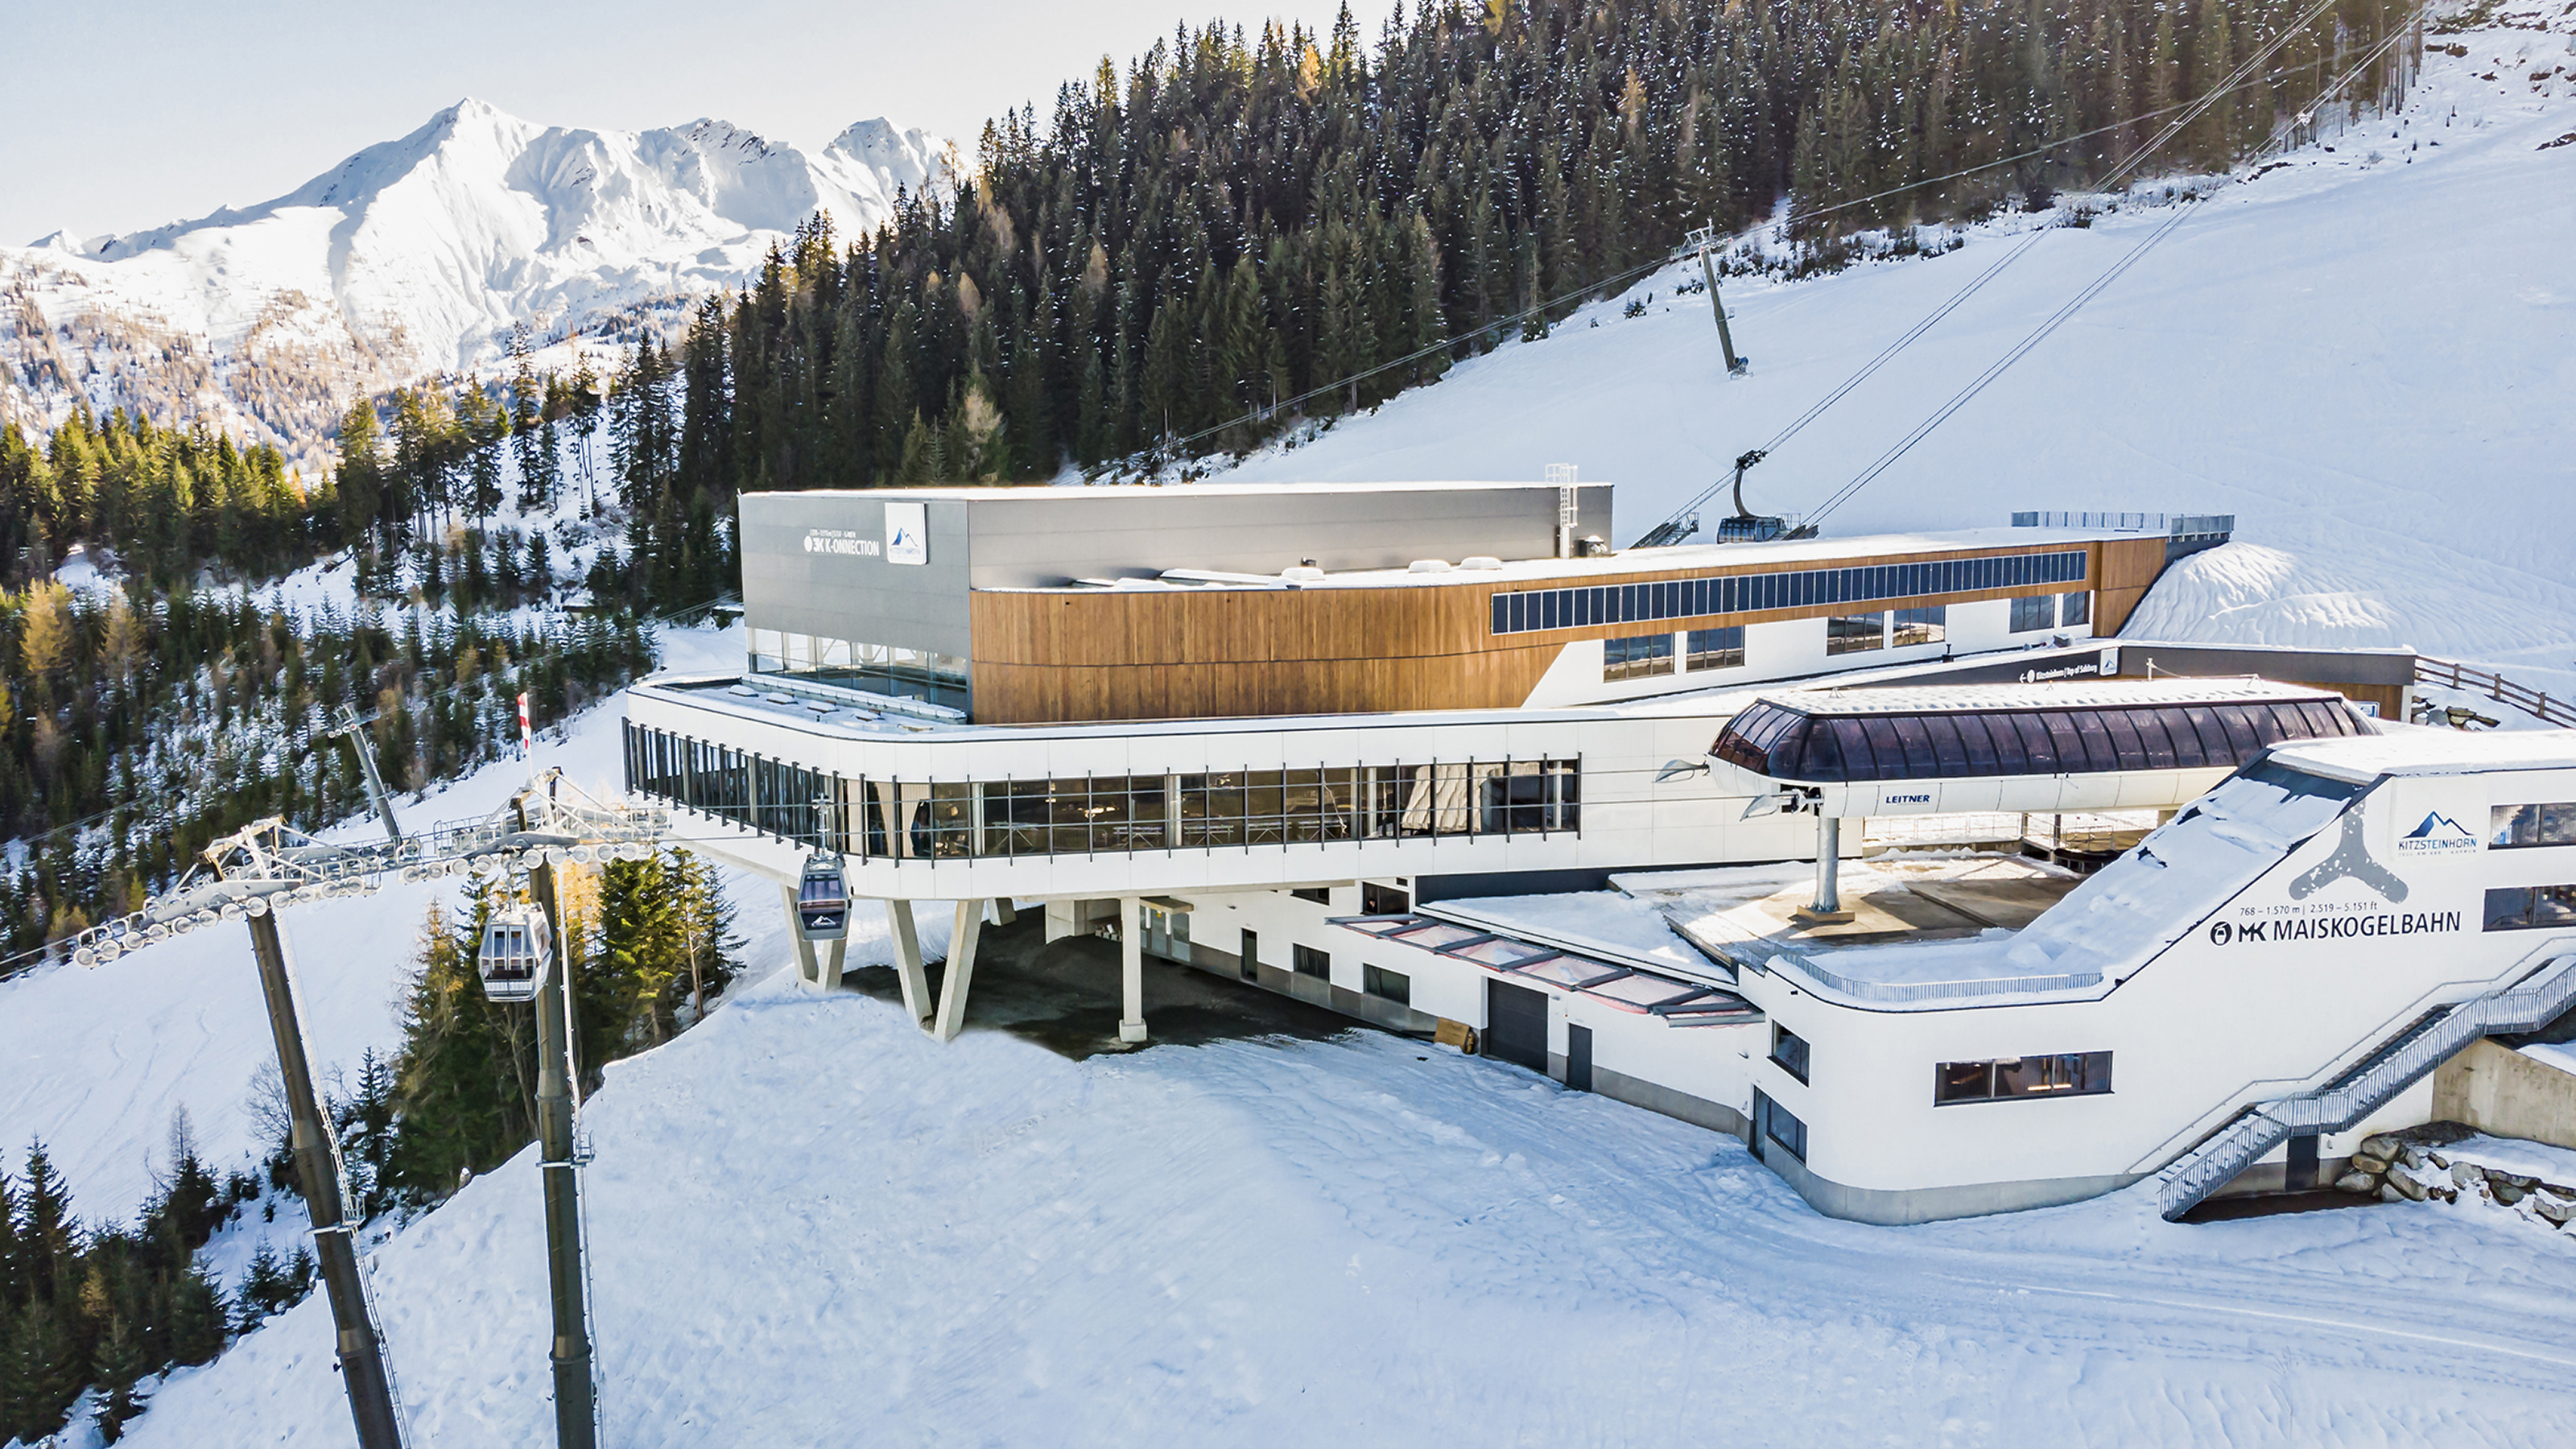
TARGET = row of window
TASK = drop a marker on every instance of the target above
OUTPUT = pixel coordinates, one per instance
(2039, 613)
(1582, 608)
(2067, 1074)
(931, 819)
(1786, 744)
(2513, 826)
(2531, 908)
(1642, 655)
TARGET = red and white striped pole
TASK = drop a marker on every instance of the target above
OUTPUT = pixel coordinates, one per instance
(527, 738)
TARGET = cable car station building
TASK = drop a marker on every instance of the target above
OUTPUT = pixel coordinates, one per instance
(1309, 737)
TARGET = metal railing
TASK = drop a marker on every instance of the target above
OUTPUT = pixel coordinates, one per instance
(2539, 998)
(2496, 687)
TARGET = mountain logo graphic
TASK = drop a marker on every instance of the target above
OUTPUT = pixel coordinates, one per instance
(2439, 834)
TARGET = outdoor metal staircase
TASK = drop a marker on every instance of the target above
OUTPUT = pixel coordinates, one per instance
(2400, 1062)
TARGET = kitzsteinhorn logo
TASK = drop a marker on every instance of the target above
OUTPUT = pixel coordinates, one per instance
(2438, 835)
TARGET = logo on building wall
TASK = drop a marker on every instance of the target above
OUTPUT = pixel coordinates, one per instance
(2350, 861)
(2438, 835)
(2220, 933)
(841, 541)
(907, 539)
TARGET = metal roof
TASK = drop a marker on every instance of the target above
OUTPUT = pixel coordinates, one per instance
(2086, 694)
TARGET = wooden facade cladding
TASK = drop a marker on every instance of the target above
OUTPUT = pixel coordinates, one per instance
(2123, 570)
(1061, 656)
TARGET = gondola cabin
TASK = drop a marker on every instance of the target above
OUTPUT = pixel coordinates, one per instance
(823, 900)
(516, 952)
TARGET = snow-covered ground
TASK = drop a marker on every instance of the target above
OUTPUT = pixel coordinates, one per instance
(811, 1223)
(2367, 355)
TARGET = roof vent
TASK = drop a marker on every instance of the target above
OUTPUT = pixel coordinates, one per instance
(1480, 561)
(1428, 566)
(1303, 574)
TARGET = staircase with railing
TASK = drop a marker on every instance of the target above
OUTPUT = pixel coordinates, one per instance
(2423, 1044)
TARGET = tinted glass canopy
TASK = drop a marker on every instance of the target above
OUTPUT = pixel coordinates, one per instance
(1791, 744)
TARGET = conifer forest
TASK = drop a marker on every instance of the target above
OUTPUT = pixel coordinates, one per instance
(1246, 231)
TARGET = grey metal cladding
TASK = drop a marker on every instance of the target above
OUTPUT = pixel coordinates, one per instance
(861, 596)
(1026, 542)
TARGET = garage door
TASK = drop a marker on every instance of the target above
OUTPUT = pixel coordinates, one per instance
(1516, 1025)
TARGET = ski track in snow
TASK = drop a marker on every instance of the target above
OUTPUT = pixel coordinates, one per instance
(811, 1223)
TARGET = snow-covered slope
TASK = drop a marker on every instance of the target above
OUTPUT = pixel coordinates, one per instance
(418, 255)
(2368, 356)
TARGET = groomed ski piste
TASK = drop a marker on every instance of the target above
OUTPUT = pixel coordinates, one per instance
(811, 1223)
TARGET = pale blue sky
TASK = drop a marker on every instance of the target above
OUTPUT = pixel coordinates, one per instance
(124, 114)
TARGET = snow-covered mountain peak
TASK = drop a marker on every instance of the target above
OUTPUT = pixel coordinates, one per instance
(421, 254)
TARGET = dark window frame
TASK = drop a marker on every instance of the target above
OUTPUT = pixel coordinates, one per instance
(1791, 1053)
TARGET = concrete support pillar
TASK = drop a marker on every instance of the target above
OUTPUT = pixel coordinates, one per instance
(1827, 908)
(961, 969)
(907, 961)
(1131, 967)
(1004, 913)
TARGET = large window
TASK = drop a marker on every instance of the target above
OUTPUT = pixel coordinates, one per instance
(1775, 1123)
(1392, 985)
(2034, 613)
(1784, 743)
(887, 669)
(1310, 962)
(1636, 657)
(1384, 900)
(2511, 827)
(929, 820)
(2075, 608)
(1855, 633)
(2531, 908)
(1922, 626)
(1593, 606)
(2069, 1074)
(1716, 648)
(1789, 1051)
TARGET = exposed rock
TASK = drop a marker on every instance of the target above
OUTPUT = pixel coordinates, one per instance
(2390, 1194)
(2506, 1192)
(2440, 1163)
(2443, 1194)
(2551, 1208)
(2413, 1190)
(2357, 1182)
(2381, 1146)
(2467, 1174)
(2369, 1162)
(2410, 1154)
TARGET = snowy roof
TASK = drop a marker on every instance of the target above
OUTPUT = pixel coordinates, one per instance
(1068, 494)
(2418, 750)
(2071, 695)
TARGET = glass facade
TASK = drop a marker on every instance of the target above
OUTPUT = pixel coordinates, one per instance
(2511, 827)
(886, 669)
(1922, 626)
(1582, 608)
(1787, 744)
(2075, 608)
(1243, 809)
(1855, 633)
(2531, 908)
(2034, 614)
(1716, 648)
(2069, 1074)
(1637, 657)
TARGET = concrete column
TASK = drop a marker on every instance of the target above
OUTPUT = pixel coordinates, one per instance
(961, 969)
(1004, 913)
(830, 980)
(907, 961)
(1131, 967)
(807, 972)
